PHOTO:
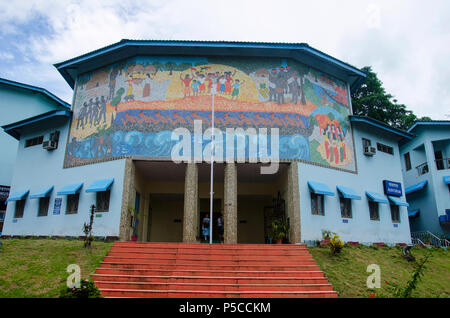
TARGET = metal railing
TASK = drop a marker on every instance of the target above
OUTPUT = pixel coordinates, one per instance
(422, 169)
(442, 164)
(428, 238)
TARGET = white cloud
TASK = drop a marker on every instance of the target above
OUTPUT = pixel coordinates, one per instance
(406, 42)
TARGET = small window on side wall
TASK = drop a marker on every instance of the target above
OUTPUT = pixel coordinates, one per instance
(346, 207)
(395, 213)
(317, 204)
(407, 161)
(20, 207)
(72, 203)
(43, 206)
(373, 210)
(103, 201)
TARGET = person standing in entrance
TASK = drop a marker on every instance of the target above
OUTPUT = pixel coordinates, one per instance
(205, 228)
(220, 227)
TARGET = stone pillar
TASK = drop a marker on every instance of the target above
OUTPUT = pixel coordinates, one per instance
(128, 195)
(293, 203)
(230, 204)
(190, 203)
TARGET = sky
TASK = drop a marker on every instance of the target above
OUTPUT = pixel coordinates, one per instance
(407, 42)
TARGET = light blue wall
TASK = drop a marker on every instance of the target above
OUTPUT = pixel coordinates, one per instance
(435, 198)
(371, 173)
(15, 105)
(36, 168)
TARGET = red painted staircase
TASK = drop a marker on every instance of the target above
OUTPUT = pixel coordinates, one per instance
(179, 270)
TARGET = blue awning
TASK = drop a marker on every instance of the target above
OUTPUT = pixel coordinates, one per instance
(320, 188)
(376, 197)
(348, 193)
(447, 179)
(70, 189)
(397, 201)
(100, 185)
(416, 187)
(16, 196)
(41, 193)
(413, 213)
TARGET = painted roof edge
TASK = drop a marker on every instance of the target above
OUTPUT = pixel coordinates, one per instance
(381, 125)
(11, 129)
(428, 123)
(61, 66)
(36, 89)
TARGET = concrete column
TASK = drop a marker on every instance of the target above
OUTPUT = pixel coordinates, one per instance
(190, 203)
(128, 195)
(293, 203)
(230, 204)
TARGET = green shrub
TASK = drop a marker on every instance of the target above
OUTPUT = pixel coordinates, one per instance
(87, 290)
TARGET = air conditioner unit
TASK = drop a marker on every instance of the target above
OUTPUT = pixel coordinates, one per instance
(49, 145)
(369, 151)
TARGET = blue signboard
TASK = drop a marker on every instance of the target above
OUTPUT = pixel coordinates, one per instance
(57, 207)
(392, 188)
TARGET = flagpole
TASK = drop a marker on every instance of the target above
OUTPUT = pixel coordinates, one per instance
(211, 194)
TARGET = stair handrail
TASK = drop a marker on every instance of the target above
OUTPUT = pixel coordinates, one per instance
(434, 240)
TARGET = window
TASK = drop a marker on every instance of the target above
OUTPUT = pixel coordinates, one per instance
(317, 204)
(407, 161)
(103, 201)
(384, 148)
(366, 143)
(373, 210)
(72, 203)
(395, 213)
(34, 141)
(2, 216)
(20, 206)
(43, 206)
(346, 207)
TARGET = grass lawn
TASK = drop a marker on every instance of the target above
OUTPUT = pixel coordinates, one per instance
(37, 268)
(347, 271)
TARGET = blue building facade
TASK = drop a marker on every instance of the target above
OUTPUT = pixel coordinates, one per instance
(425, 166)
(138, 139)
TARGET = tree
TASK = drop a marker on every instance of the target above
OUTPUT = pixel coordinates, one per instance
(170, 66)
(372, 100)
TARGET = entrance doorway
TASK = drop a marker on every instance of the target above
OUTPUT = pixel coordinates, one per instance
(204, 212)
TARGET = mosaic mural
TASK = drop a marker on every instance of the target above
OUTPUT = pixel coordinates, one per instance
(132, 107)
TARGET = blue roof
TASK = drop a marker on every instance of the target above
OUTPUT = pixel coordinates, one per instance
(35, 89)
(416, 187)
(320, 188)
(100, 185)
(413, 213)
(376, 197)
(379, 124)
(398, 201)
(447, 179)
(128, 48)
(348, 193)
(428, 123)
(14, 128)
(16, 196)
(41, 193)
(70, 189)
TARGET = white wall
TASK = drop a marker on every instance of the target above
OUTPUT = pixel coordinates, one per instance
(371, 173)
(37, 168)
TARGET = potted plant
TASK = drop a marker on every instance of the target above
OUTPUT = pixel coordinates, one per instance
(326, 236)
(279, 230)
(134, 222)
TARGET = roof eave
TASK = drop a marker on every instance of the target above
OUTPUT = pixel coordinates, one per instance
(382, 126)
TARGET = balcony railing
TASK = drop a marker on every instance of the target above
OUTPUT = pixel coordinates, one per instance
(442, 164)
(422, 168)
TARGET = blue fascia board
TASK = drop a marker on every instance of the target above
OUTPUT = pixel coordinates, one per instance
(100, 185)
(398, 201)
(41, 193)
(12, 128)
(70, 189)
(376, 197)
(40, 90)
(74, 63)
(16, 196)
(413, 213)
(446, 179)
(375, 123)
(416, 187)
(428, 123)
(320, 188)
(348, 193)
